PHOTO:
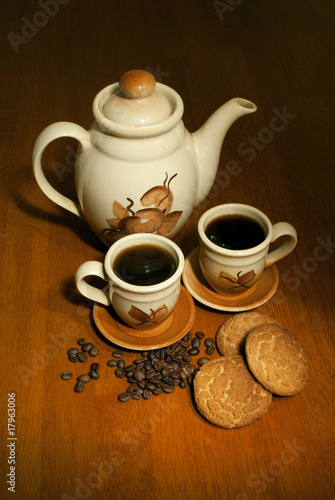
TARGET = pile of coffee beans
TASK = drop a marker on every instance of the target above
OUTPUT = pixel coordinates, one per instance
(153, 372)
(74, 355)
(161, 370)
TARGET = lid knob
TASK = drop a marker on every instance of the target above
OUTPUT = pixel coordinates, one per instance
(137, 83)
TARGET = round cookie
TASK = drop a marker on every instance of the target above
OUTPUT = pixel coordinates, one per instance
(227, 395)
(230, 337)
(277, 359)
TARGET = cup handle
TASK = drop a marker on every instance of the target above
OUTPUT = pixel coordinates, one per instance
(92, 268)
(49, 134)
(282, 229)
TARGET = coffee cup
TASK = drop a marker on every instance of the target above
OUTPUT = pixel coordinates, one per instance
(234, 241)
(143, 273)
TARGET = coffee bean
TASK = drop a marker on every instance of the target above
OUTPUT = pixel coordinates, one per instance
(82, 356)
(166, 371)
(182, 351)
(151, 355)
(142, 384)
(194, 351)
(184, 344)
(168, 358)
(209, 342)
(79, 387)
(66, 375)
(157, 391)
(73, 350)
(150, 386)
(137, 361)
(84, 378)
(183, 384)
(146, 394)
(187, 358)
(195, 342)
(139, 375)
(158, 365)
(119, 372)
(210, 350)
(131, 387)
(150, 373)
(187, 337)
(94, 375)
(94, 351)
(125, 396)
(117, 354)
(128, 368)
(121, 363)
(73, 358)
(95, 367)
(131, 380)
(87, 347)
(168, 388)
(202, 361)
(136, 395)
(175, 374)
(81, 341)
(156, 379)
(160, 353)
(200, 335)
(111, 362)
(168, 380)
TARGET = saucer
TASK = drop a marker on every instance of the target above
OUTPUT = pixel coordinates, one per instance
(198, 287)
(169, 331)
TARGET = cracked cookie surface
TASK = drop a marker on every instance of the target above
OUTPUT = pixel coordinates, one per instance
(227, 394)
(277, 359)
(230, 337)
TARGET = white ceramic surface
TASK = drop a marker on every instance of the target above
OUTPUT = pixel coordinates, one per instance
(138, 169)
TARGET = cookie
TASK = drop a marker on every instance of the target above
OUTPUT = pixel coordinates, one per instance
(227, 394)
(230, 337)
(277, 359)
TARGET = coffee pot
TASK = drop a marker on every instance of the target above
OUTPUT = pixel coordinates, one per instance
(138, 170)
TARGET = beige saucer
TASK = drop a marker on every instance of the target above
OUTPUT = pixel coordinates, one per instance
(168, 332)
(198, 287)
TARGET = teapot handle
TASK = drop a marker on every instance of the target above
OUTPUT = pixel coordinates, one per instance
(49, 134)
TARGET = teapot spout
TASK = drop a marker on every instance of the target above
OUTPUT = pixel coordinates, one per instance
(208, 141)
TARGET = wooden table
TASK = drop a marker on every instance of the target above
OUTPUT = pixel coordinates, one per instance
(56, 55)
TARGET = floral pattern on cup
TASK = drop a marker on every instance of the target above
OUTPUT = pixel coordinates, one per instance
(156, 217)
(155, 316)
(241, 281)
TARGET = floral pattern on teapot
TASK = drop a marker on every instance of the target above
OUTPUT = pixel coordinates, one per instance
(156, 217)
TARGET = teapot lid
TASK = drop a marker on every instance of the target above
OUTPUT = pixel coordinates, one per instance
(136, 101)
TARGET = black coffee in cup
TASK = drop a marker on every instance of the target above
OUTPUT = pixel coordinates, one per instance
(144, 265)
(235, 232)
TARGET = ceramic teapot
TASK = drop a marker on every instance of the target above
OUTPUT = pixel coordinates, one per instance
(138, 169)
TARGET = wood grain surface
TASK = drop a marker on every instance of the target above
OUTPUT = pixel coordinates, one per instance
(56, 56)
